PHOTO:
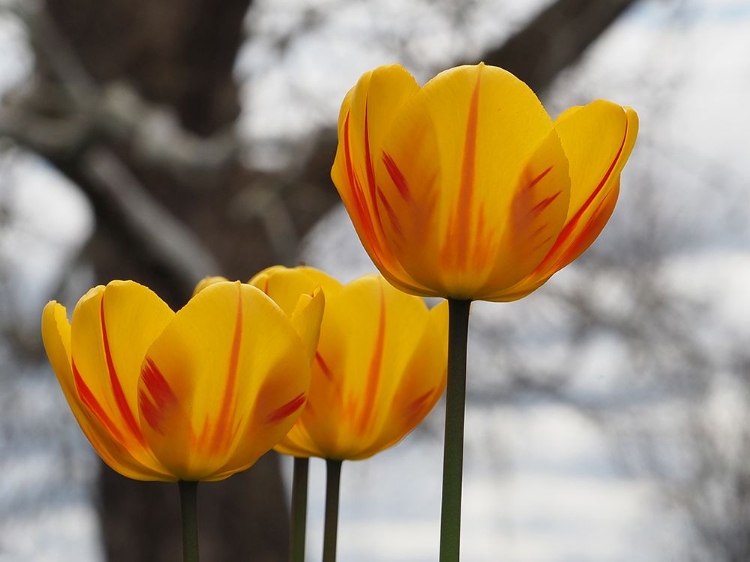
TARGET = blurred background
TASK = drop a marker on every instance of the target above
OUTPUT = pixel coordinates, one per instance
(164, 141)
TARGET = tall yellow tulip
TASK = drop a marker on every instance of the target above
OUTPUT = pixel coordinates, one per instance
(378, 370)
(195, 395)
(465, 188)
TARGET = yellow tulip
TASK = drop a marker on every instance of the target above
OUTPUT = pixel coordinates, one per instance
(378, 370)
(195, 395)
(465, 188)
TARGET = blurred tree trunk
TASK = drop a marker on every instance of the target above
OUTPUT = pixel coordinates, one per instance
(166, 223)
(178, 54)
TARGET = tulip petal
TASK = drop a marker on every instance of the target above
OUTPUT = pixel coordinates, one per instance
(298, 292)
(457, 148)
(329, 285)
(111, 329)
(538, 213)
(208, 281)
(298, 442)
(598, 139)
(366, 116)
(285, 285)
(223, 382)
(306, 319)
(56, 337)
(420, 384)
(358, 372)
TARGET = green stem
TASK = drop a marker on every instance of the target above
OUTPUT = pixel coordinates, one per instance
(455, 408)
(333, 484)
(189, 508)
(299, 508)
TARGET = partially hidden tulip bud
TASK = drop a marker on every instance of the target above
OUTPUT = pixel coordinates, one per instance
(195, 395)
(378, 370)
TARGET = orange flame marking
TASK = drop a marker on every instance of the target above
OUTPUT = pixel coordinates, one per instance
(391, 214)
(584, 237)
(114, 380)
(376, 362)
(397, 177)
(568, 229)
(360, 205)
(416, 406)
(226, 411)
(523, 211)
(483, 243)
(161, 399)
(287, 409)
(544, 203)
(459, 228)
(419, 214)
(539, 178)
(468, 165)
(89, 400)
(323, 366)
(371, 184)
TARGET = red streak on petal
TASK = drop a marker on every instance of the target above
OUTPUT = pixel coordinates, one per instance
(541, 243)
(226, 411)
(397, 177)
(89, 400)
(459, 224)
(159, 399)
(468, 165)
(391, 214)
(199, 441)
(573, 222)
(544, 203)
(371, 184)
(588, 232)
(150, 412)
(527, 211)
(287, 409)
(483, 241)
(539, 178)
(360, 205)
(325, 369)
(373, 376)
(114, 380)
(416, 406)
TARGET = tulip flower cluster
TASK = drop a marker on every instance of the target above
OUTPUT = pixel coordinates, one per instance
(463, 188)
(196, 395)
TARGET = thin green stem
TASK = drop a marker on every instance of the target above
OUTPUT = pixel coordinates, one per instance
(299, 508)
(455, 409)
(189, 508)
(333, 484)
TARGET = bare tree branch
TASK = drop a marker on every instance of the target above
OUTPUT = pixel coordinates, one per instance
(113, 112)
(555, 39)
(158, 233)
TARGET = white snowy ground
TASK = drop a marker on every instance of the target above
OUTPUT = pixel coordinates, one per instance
(541, 482)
